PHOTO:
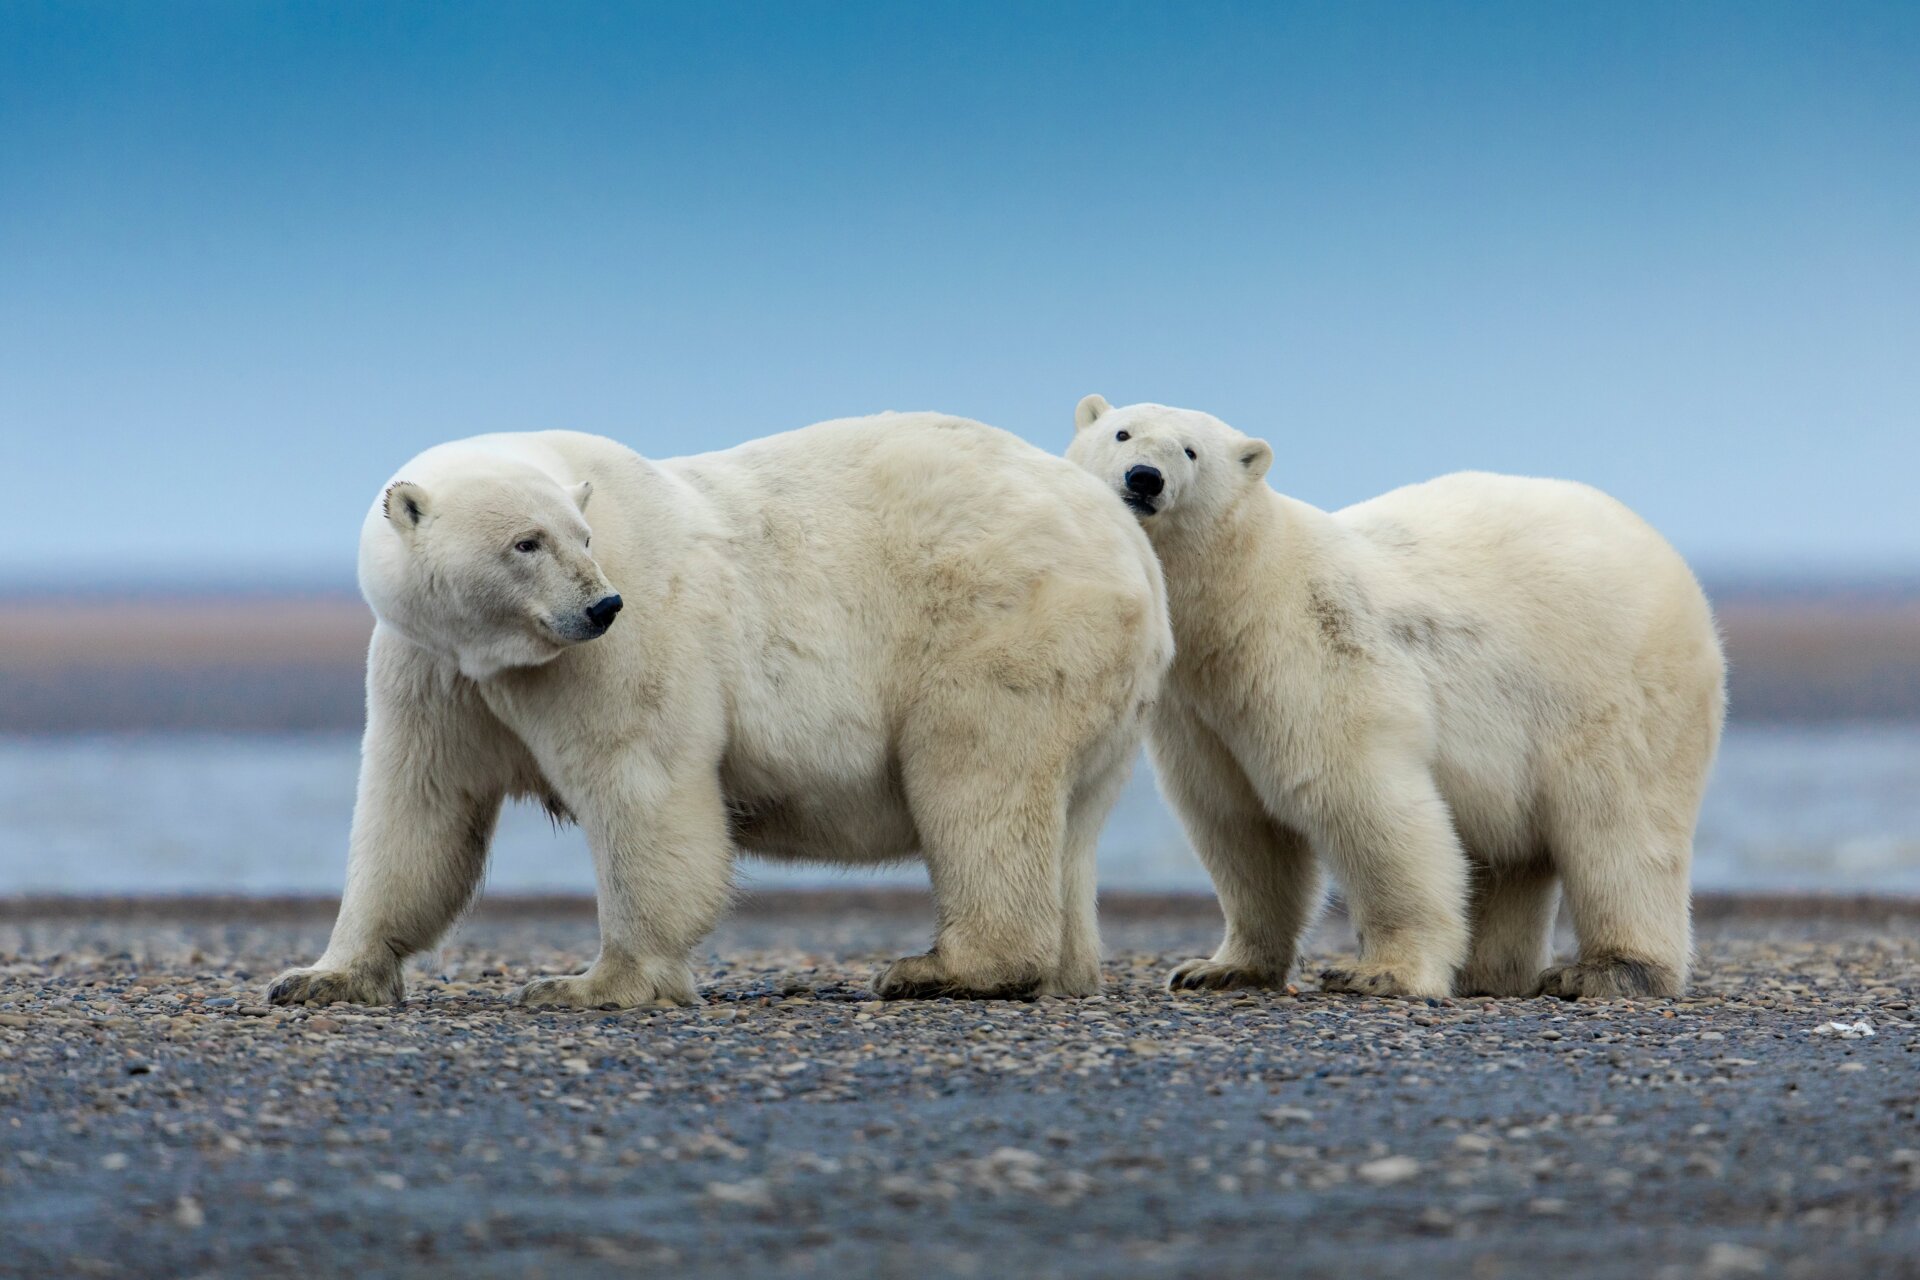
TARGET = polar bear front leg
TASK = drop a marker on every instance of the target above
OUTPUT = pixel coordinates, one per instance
(434, 769)
(1077, 971)
(1391, 841)
(662, 863)
(1264, 873)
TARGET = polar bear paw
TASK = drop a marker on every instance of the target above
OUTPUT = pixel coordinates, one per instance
(1609, 977)
(1379, 980)
(657, 982)
(1207, 974)
(929, 977)
(324, 986)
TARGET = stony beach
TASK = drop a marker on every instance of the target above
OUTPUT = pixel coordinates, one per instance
(160, 1120)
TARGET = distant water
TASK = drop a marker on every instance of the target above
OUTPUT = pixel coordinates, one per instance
(1834, 809)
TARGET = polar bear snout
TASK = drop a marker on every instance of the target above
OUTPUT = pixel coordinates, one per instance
(1145, 481)
(1140, 486)
(581, 623)
(601, 613)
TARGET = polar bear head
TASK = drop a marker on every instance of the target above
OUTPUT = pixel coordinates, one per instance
(486, 560)
(1170, 466)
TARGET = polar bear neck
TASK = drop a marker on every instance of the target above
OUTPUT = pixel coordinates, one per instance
(1263, 528)
(1267, 555)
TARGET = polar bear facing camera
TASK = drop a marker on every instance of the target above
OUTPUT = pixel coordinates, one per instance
(856, 642)
(1463, 696)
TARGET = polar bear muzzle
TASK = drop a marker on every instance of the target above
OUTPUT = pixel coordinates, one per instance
(601, 612)
(1144, 484)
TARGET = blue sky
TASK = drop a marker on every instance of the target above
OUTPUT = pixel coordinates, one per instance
(252, 256)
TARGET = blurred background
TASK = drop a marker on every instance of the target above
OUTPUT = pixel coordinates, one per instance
(254, 256)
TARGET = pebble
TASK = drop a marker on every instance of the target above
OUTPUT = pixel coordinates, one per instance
(1728, 1259)
(1388, 1170)
(752, 1193)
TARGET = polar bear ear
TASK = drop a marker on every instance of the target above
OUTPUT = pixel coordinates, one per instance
(406, 507)
(1088, 411)
(1256, 456)
(580, 493)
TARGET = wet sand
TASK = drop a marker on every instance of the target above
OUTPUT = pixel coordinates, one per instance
(159, 1120)
(275, 662)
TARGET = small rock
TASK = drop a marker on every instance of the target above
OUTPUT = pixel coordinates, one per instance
(1845, 1030)
(752, 1193)
(187, 1213)
(1388, 1170)
(1725, 1259)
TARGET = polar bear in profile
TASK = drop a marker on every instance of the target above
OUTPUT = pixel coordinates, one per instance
(856, 643)
(1462, 696)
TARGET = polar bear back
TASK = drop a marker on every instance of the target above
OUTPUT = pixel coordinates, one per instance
(919, 485)
(1550, 559)
(925, 529)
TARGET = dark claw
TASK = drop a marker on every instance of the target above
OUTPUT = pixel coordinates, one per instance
(1609, 977)
(325, 988)
(898, 989)
(1345, 981)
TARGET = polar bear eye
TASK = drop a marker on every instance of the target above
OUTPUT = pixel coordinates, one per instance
(1121, 435)
(1191, 454)
(527, 546)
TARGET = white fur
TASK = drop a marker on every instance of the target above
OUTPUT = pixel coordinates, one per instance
(853, 643)
(1462, 696)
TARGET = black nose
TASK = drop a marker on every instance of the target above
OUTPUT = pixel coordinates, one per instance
(1145, 481)
(600, 612)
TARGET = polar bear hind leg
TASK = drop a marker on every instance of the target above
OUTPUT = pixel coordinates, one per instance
(1012, 752)
(1512, 914)
(1627, 890)
(1620, 823)
(989, 780)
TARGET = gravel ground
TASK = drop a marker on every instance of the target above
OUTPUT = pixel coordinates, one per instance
(156, 1119)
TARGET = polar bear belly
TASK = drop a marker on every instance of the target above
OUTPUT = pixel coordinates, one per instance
(822, 810)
